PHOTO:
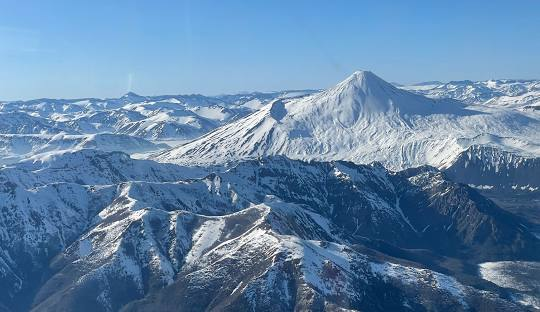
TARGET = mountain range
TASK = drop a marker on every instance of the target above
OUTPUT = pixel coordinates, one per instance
(97, 228)
(510, 93)
(364, 197)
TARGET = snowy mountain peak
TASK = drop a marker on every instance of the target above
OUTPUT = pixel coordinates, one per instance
(364, 95)
(362, 86)
(363, 80)
(131, 95)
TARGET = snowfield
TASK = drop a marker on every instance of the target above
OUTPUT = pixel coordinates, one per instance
(520, 276)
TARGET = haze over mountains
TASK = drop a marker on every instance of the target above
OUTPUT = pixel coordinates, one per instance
(363, 197)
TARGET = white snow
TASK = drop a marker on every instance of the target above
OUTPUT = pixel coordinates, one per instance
(519, 275)
(481, 187)
(206, 236)
(411, 275)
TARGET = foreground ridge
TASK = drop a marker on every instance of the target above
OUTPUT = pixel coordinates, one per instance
(312, 235)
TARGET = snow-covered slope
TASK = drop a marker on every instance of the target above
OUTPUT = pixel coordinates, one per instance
(362, 119)
(519, 275)
(249, 260)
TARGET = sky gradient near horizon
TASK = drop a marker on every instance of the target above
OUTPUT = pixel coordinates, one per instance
(71, 49)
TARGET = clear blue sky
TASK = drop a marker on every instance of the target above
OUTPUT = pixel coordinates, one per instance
(103, 48)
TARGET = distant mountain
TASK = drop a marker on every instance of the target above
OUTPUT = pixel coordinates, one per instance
(427, 83)
(507, 178)
(97, 231)
(362, 119)
(15, 147)
(255, 100)
(22, 123)
(163, 117)
(518, 94)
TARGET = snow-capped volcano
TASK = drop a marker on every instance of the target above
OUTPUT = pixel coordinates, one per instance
(362, 119)
(363, 95)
